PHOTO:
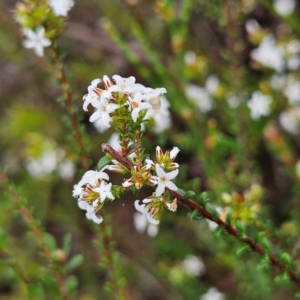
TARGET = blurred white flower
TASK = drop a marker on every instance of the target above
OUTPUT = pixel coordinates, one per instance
(292, 92)
(189, 58)
(278, 82)
(290, 120)
(66, 169)
(61, 7)
(161, 117)
(252, 26)
(297, 168)
(213, 294)
(141, 224)
(269, 55)
(193, 265)
(212, 84)
(284, 7)
(293, 63)
(233, 101)
(259, 105)
(200, 96)
(36, 40)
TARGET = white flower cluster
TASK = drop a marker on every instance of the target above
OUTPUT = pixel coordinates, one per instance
(92, 191)
(35, 39)
(162, 180)
(277, 57)
(136, 98)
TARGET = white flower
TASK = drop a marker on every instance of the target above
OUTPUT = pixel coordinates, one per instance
(252, 26)
(290, 120)
(259, 105)
(66, 169)
(91, 94)
(125, 85)
(293, 63)
(212, 84)
(104, 191)
(141, 224)
(268, 54)
(284, 7)
(164, 180)
(297, 168)
(200, 96)
(90, 212)
(193, 265)
(174, 152)
(278, 82)
(36, 40)
(103, 111)
(190, 58)
(212, 294)
(161, 117)
(61, 7)
(137, 104)
(153, 96)
(292, 92)
(143, 208)
(92, 177)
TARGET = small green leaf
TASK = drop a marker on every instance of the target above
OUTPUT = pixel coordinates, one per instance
(188, 194)
(220, 230)
(181, 192)
(282, 278)
(229, 217)
(241, 249)
(50, 241)
(74, 262)
(265, 243)
(240, 227)
(67, 243)
(211, 208)
(72, 283)
(194, 215)
(285, 258)
(297, 295)
(103, 162)
(203, 199)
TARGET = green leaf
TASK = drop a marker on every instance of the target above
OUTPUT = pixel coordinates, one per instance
(67, 243)
(194, 215)
(220, 230)
(285, 258)
(265, 243)
(282, 278)
(297, 295)
(103, 162)
(72, 283)
(240, 227)
(241, 249)
(188, 194)
(181, 192)
(211, 208)
(74, 262)
(202, 200)
(50, 241)
(229, 217)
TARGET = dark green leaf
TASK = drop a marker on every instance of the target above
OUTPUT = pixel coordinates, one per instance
(103, 162)
(74, 262)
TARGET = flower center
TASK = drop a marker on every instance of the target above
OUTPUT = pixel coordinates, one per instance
(135, 104)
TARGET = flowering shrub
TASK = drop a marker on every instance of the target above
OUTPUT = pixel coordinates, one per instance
(186, 165)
